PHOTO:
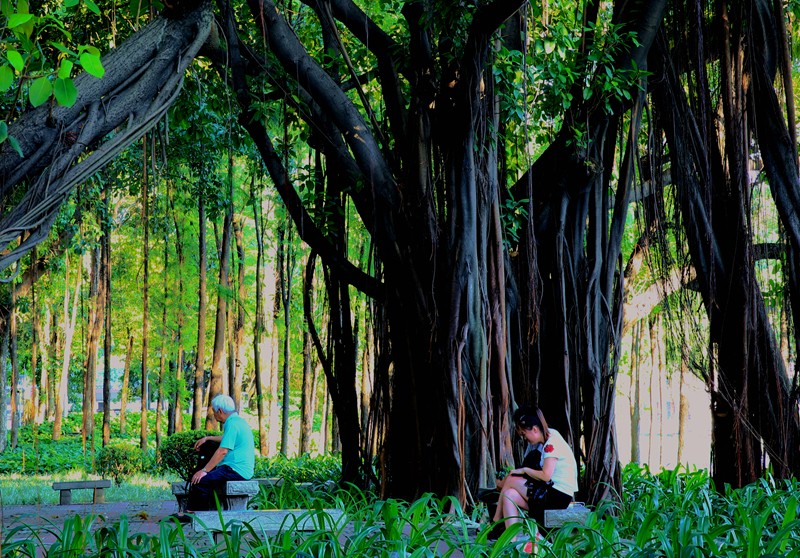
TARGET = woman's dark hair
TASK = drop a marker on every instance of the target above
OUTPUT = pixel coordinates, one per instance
(526, 417)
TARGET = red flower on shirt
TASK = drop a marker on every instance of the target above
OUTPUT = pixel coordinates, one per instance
(549, 448)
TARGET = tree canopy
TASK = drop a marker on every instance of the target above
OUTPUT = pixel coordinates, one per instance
(482, 177)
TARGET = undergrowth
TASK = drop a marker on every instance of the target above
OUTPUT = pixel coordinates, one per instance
(670, 514)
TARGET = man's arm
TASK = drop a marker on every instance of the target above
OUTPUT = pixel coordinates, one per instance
(205, 439)
(213, 462)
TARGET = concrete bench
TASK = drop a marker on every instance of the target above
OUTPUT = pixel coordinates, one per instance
(236, 494)
(576, 512)
(269, 522)
(66, 488)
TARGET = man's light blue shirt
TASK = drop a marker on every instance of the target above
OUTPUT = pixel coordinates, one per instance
(237, 438)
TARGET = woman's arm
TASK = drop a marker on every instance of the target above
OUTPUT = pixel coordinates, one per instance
(544, 475)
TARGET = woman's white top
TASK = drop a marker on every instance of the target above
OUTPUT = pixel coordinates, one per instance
(565, 474)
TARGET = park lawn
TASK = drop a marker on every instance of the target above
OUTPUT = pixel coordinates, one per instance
(16, 489)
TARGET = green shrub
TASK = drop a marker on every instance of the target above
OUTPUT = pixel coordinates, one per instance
(177, 454)
(317, 469)
(119, 461)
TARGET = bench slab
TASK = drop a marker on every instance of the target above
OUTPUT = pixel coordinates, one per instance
(267, 521)
(237, 493)
(576, 512)
(66, 488)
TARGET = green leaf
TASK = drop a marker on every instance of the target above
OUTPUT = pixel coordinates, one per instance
(91, 63)
(66, 92)
(6, 78)
(15, 145)
(3, 131)
(17, 20)
(40, 91)
(92, 6)
(65, 69)
(15, 59)
(71, 3)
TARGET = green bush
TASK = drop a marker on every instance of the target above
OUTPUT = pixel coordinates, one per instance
(318, 469)
(177, 454)
(119, 461)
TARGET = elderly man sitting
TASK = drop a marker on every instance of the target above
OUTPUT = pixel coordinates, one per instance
(234, 460)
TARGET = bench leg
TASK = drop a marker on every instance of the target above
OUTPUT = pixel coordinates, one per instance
(65, 498)
(99, 496)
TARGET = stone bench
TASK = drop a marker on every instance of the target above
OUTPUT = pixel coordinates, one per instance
(269, 522)
(576, 512)
(236, 494)
(66, 488)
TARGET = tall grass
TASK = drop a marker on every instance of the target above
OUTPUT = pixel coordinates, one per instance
(669, 514)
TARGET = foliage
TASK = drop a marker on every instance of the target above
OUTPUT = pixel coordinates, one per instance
(119, 461)
(300, 469)
(177, 453)
(673, 513)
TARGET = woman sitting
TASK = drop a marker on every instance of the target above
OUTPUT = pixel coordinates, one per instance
(548, 477)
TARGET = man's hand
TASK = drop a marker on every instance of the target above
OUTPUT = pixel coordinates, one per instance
(199, 443)
(198, 475)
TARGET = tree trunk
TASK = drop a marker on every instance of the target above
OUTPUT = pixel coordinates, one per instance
(69, 333)
(238, 331)
(45, 383)
(202, 309)
(635, 393)
(145, 297)
(105, 275)
(126, 380)
(273, 374)
(286, 260)
(683, 410)
(176, 413)
(307, 395)
(4, 342)
(96, 312)
(32, 408)
(15, 402)
(260, 347)
(218, 361)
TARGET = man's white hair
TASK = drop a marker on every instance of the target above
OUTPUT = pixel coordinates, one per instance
(223, 403)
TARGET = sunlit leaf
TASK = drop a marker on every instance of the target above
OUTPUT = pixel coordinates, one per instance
(71, 3)
(66, 92)
(15, 59)
(6, 78)
(91, 63)
(40, 91)
(92, 6)
(3, 131)
(65, 69)
(19, 19)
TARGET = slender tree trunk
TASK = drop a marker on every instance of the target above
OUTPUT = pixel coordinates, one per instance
(260, 348)
(43, 412)
(273, 375)
(635, 393)
(176, 415)
(4, 342)
(126, 381)
(145, 297)
(238, 332)
(55, 348)
(218, 360)
(15, 410)
(162, 368)
(683, 409)
(106, 278)
(69, 333)
(96, 311)
(286, 270)
(307, 395)
(202, 309)
(32, 408)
